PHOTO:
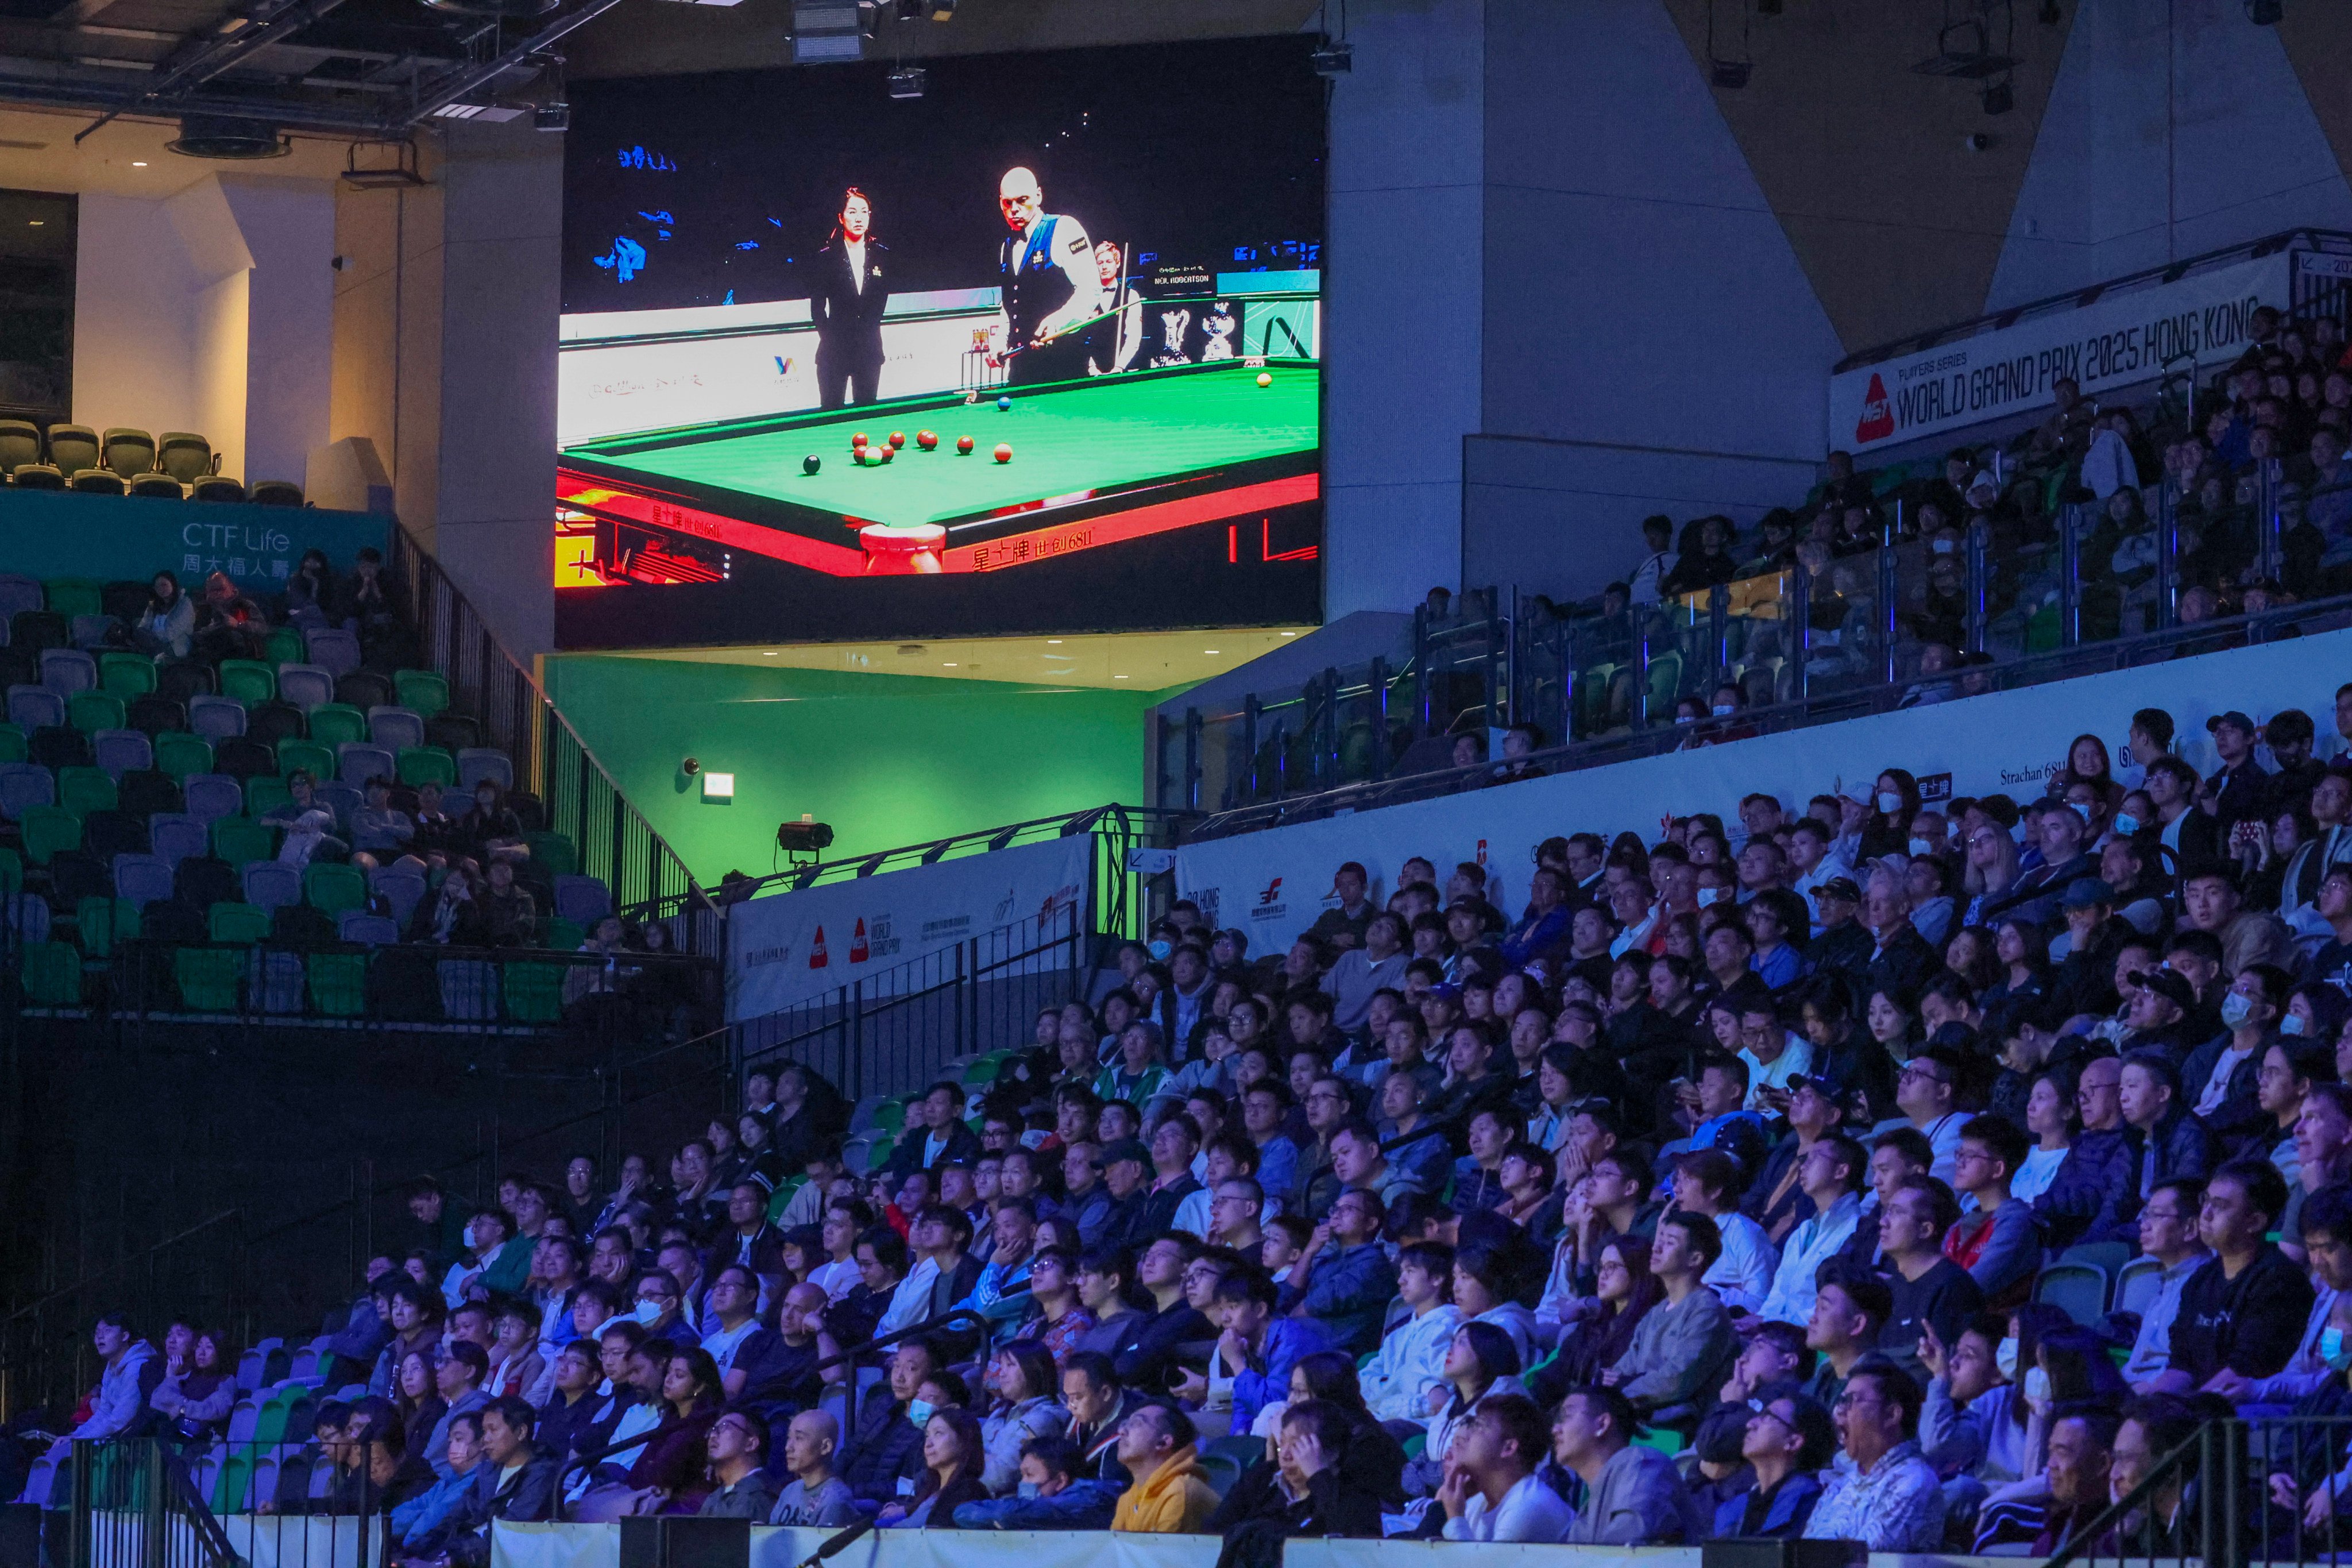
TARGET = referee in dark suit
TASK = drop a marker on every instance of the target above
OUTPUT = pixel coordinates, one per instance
(846, 304)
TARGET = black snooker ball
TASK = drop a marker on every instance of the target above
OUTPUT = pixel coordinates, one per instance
(810, 465)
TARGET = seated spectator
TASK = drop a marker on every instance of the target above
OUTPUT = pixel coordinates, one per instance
(1927, 1288)
(1889, 1499)
(1831, 1175)
(1849, 1318)
(738, 1447)
(1788, 1444)
(1996, 1242)
(953, 1459)
(168, 624)
(816, 1495)
(1166, 1494)
(1310, 1491)
(1259, 1347)
(2245, 1309)
(1707, 1182)
(887, 1446)
(1052, 1494)
(1491, 1490)
(514, 1482)
(1634, 1496)
(199, 1382)
(1685, 1344)
(230, 623)
(1027, 1386)
(417, 1518)
(1343, 1280)
(1409, 1367)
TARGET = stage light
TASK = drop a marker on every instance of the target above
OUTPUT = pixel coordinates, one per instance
(806, 836)
(718, 788)
(1333, 59)
(908, 81)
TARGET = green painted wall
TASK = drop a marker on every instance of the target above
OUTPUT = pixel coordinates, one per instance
(887, 759)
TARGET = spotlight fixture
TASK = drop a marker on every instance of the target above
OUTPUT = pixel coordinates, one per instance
(805, 836)
(2265, 12)
(551, 116)
(906, 81)
(226, 138)
(1337, 57)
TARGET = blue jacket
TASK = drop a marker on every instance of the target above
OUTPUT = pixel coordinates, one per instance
(2095, 1195)
(1348, 1293)
(1287, 1339)
(1792, 1504)
(1085, 1504)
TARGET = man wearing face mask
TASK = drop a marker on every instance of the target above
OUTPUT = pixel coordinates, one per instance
(2220, 1078)
(1052, 1494)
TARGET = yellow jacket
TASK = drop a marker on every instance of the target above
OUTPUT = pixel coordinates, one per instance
(1175, 1501)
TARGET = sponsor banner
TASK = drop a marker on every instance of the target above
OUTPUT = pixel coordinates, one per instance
(789, 947)
(1272, 885)
(57, 533)
(2114, 341)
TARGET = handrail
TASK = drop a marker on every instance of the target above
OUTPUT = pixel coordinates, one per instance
(118, 1265)
(2168, 272)
(1063, 825)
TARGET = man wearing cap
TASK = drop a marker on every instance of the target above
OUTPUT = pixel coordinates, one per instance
(2239, 790)
(1840, 942)
(2158, 1011)
(1126, 1168)
(1343, 926)
(2211, 900)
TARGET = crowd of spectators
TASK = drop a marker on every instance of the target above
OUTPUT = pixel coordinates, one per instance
(2281, 414)
(1706, 1194)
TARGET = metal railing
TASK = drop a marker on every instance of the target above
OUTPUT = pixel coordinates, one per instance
(134, 1503)
(2235, 1491)
(550, 760)
(896, 1030)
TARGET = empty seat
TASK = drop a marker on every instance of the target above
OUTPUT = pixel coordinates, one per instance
(154, 716)
(216, 718)
(333, 887)
(106, 834)
(478, 762)
(34, 630)
(204, 880)
(343, 799)
(25, 916)
(248, 679)
(73, 447)
(157, 487)
(582, 899)
(231, 920)
(276, 493)
(307, 686)
(58, 746)
(124, 598)
(89, 631)
(274, 722)
(12, 744)
(31, 708)
(363, 688)
(184, 456)
(18, 594)
(65, 670)
(179, 755)
(211, 796)
(185, 683)
(421, 689)
(283, 645)
(146, 791)
(174, 837)
(358, 762)
(71, 596)
(129, 452)
(24, 786)
(37, 477)
(265, 792)
(92, 711)
(268, 884)
(119, 751)
(217, 486)
(141, 880)
(337, 724)
(396, 727)
(305, 757)
(334, 649)
(125, 675)
(20, 443)
(99, 482)
(402, 890)
(84, 790)
(48, 831)
(422, 765)
(360, 926)
(244, 759)
(239, 842)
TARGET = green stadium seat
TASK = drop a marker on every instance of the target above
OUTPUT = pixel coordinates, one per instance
(565, 936)
(208, 976)
(90, 711)
(103, 923)
(422, 691)
(52, 974)
(333, 887)
(126, 675)
(534, 992)
(239, 922)
(12, 871)
(248, 680)
(238, 840)
(45, 829)
(13, 747)
(305, 756)
(421, 766)
(334, 723)
(84, 790)
(179, 754)
(265, 792)
(284, 647)
(338, 985)
(71, 596)
(553, 853)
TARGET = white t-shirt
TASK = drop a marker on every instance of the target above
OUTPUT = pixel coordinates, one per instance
(857, 249)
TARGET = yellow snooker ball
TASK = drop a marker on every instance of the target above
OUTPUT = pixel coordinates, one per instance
(1265, 379)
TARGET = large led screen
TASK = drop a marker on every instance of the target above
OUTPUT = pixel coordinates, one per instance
(1037, 350)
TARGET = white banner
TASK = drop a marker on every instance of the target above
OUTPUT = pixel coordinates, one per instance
(789, 947)
(2110, 342)
(1274, 883)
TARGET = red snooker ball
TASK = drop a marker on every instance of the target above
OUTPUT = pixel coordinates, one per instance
(963, 445)
(897, 437)
(1004, 452)
(858, 439)
(925, 439)
(888, 452)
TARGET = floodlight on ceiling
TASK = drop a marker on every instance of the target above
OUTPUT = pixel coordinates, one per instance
(228, 139)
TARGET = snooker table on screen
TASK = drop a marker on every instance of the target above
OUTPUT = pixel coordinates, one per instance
(1093, 462)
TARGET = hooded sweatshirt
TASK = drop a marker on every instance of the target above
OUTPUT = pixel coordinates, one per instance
(1174, 1501)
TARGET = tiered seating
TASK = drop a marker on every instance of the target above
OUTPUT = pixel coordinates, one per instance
(179, 464)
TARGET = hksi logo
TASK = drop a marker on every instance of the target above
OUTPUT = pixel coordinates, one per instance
(817, 959)
(1273, 890)
(1877, 421)
(857, 951)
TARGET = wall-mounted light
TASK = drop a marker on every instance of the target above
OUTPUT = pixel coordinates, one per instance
(717, 788)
